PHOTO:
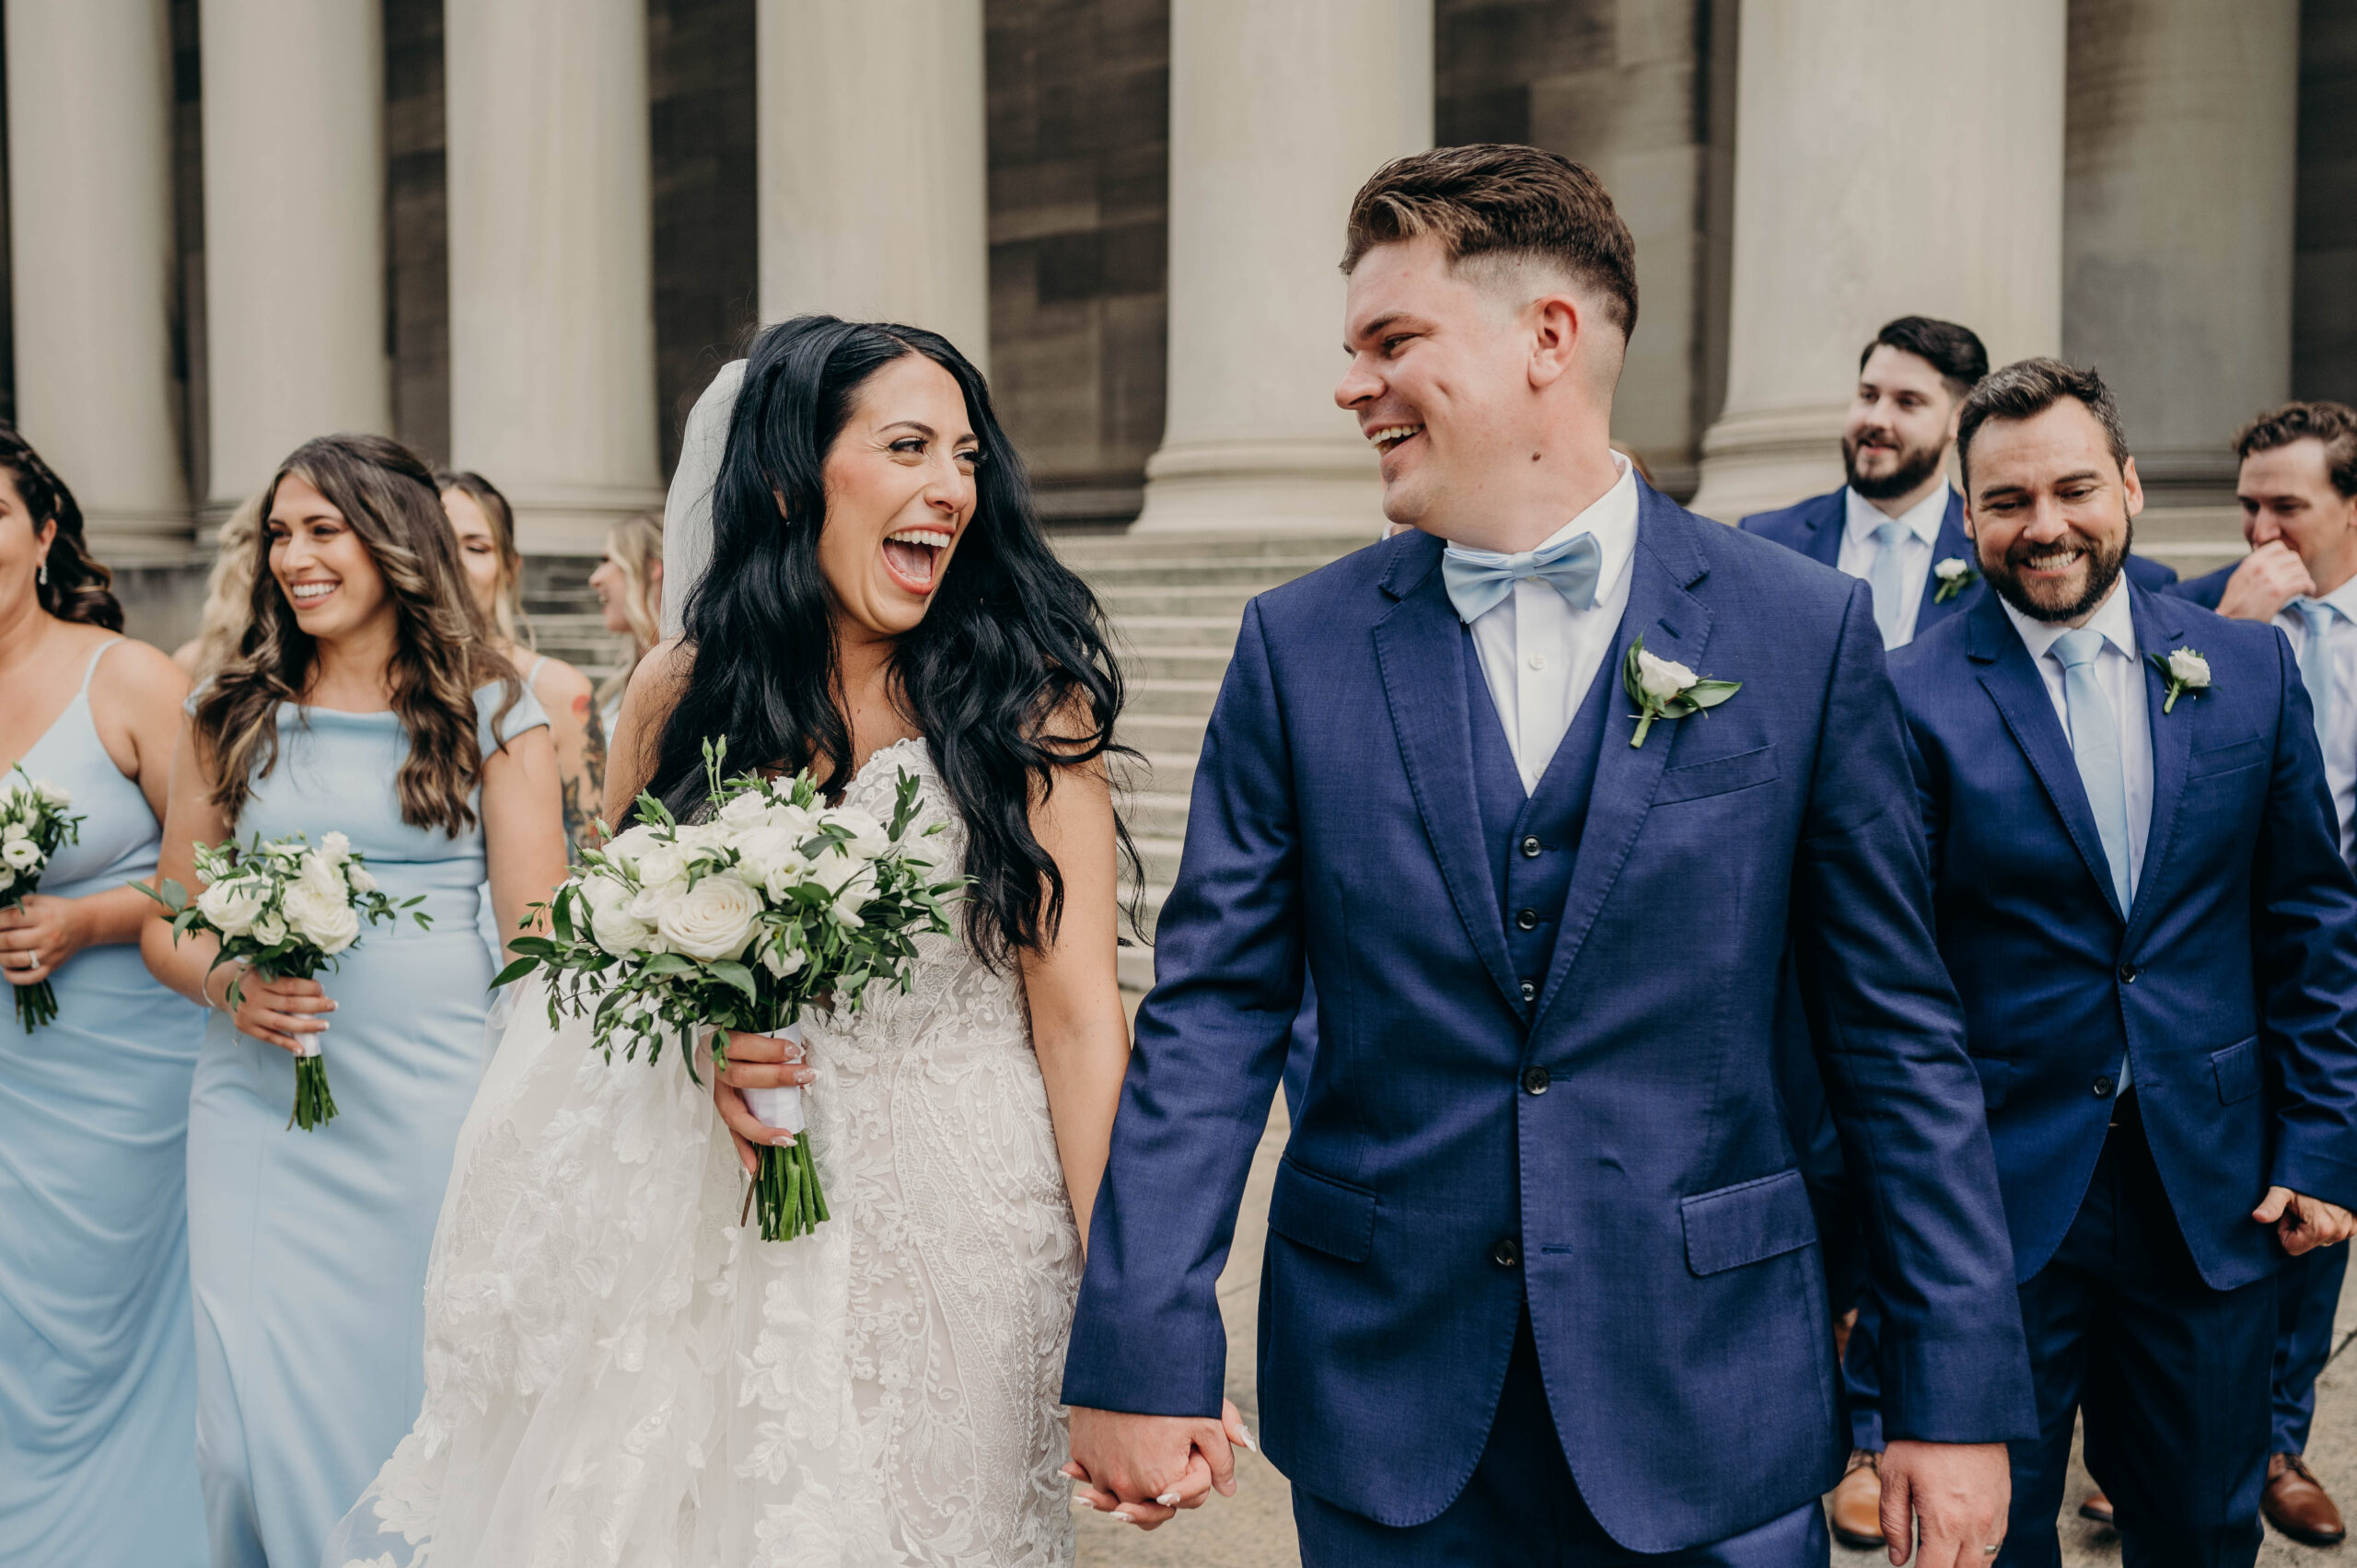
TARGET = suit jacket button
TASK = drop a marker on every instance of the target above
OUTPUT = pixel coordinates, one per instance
(1529, 992)
(2103, 1087)
(2128, 973)
(1530, 848)
(1526, 920)
(1507, 1253)
(1535, 1080)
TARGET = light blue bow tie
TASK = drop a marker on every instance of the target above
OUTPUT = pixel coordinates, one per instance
(1478, 579)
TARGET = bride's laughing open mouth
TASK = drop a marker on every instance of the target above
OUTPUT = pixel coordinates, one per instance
(914, 556)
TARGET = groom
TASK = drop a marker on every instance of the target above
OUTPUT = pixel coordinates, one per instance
(1542, 1283)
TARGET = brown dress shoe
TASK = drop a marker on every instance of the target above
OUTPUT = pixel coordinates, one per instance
(2296, 1504)
(1856, 1514)
(2098, 1508)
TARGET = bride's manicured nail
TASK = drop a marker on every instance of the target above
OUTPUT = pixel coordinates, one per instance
(1169, 1499)
(1124, 1515)
(783, 1140)
(1083, 1505)
(1248, 1442)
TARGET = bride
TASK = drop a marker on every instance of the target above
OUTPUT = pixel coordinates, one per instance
(618, 1372)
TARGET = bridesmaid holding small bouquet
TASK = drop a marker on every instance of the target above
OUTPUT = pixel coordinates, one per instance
(370, 702)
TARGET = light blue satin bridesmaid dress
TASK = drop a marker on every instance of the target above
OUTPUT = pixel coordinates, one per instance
(309, 1249)
(98, 1368)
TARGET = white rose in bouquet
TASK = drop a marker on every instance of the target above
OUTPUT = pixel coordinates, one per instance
(20, 853)
(660, 869)
(7, 878)
(771, 857)
(52, 794)
(868, 840)
(270, 930)
(232, 907)
(625, 847)
(334, 848)
(615, 929)
(744, 810)
(715, 919)
(318, 909)
(852, 882)
(357, 876)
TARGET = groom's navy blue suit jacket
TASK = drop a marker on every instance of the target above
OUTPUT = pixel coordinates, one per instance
(2231, 982)
(1646, 1202)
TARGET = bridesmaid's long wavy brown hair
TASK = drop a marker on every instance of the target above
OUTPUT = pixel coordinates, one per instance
(441, 648)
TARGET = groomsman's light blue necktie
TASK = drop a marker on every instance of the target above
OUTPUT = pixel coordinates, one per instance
(2315, 661)
(1886, 578)
(2095, 742)
(1478, 579)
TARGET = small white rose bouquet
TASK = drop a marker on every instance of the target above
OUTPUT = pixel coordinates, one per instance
(33, 823)
(1664, 689)
(773, 903)
(289, 910)
(1954, 575)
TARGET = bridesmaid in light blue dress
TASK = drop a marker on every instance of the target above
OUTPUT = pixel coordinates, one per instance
(97, 1401)
(310, 1250)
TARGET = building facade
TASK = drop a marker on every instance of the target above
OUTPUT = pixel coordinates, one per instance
(522, 233)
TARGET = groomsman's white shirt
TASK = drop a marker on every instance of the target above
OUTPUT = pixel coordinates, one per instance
(1859, 550)
(2340, 735)
(2119, 669)
(1539, 655)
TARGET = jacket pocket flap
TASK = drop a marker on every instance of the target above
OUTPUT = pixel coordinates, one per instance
(1746, 1223)
(2237, 1070)
(1320, 1212)
(1717, 775)
(2228, 758)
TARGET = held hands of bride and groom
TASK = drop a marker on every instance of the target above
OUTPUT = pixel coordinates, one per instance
(1144, 1469)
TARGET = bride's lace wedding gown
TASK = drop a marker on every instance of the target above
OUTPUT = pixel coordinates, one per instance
(618, 1372)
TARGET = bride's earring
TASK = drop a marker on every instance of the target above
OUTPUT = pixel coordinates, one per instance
(42, 577)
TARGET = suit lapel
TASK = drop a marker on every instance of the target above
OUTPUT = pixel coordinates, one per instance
(1420, 647)
(2159, 628)
(2012, 679)
(1951, 545)
(1675, 625)
(1825, 525)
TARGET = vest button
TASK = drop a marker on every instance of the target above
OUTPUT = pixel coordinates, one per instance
(2103, 1087)
(1526, 920)
(1530, 848)
(1529, 992)
(1507, 1253)
(2128, 973)
(1535, 1080)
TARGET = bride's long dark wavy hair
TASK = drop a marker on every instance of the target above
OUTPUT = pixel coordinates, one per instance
(1013, 646)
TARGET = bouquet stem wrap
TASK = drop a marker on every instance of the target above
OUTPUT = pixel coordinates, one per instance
(314, 1101)
(785, 1192)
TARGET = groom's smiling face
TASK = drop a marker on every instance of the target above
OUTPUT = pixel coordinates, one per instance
(1454, 366)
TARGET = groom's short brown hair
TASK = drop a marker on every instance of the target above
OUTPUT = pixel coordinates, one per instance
(1498, 199)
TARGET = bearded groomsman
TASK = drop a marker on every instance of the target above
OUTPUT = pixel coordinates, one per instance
(2298, 489)
(2139, 893)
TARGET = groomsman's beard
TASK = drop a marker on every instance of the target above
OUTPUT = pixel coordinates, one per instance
(2103, 570)
(1916, 464)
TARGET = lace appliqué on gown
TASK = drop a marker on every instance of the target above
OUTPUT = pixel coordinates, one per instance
(618, 1373)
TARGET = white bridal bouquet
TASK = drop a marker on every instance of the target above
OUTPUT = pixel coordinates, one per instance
(773, 903)
(32, 824)
(289, 910)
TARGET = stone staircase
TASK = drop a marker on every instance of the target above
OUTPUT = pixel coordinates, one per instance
(567, 623)
(1177, 601)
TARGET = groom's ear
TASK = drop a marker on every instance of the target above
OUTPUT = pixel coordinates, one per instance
(1557, 324)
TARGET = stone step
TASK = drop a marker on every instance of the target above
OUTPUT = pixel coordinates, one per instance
(1183, 698)
(1156, 734)
(1154, 813)
(1215, 632)
(1175, 664)
(1160, 857)
(1082, 551)
(1169, 772)
(1199, 572)
(1226, 600)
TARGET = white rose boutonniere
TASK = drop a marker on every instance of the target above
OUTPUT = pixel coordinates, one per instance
(1664, 689)
(1955, 574)
(2185, 670)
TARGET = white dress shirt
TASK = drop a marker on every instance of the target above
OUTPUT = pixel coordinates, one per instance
(2119, 669)
(2339, 734)
(1539, 655)
(1859, 550)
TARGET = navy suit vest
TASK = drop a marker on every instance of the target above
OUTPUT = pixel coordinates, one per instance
(1534, 840)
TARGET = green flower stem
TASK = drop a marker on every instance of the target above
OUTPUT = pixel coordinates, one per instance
(786, 1191)
(1645, 722)
(2176, 687)
(36, 1005)
(314, 1102)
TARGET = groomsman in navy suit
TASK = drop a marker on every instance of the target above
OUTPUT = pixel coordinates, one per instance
(2140, 894)
(2298, 489)
(1899, 524)
(1542, 1281)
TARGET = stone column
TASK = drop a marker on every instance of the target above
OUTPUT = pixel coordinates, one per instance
(1278, 114)
(2178, 249)
(91, 209)
(874, 189)
(294, 230)
(1892, 157)
(551, 263)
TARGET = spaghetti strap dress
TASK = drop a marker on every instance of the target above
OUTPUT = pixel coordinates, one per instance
(98, 1371)
(309, 1249)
